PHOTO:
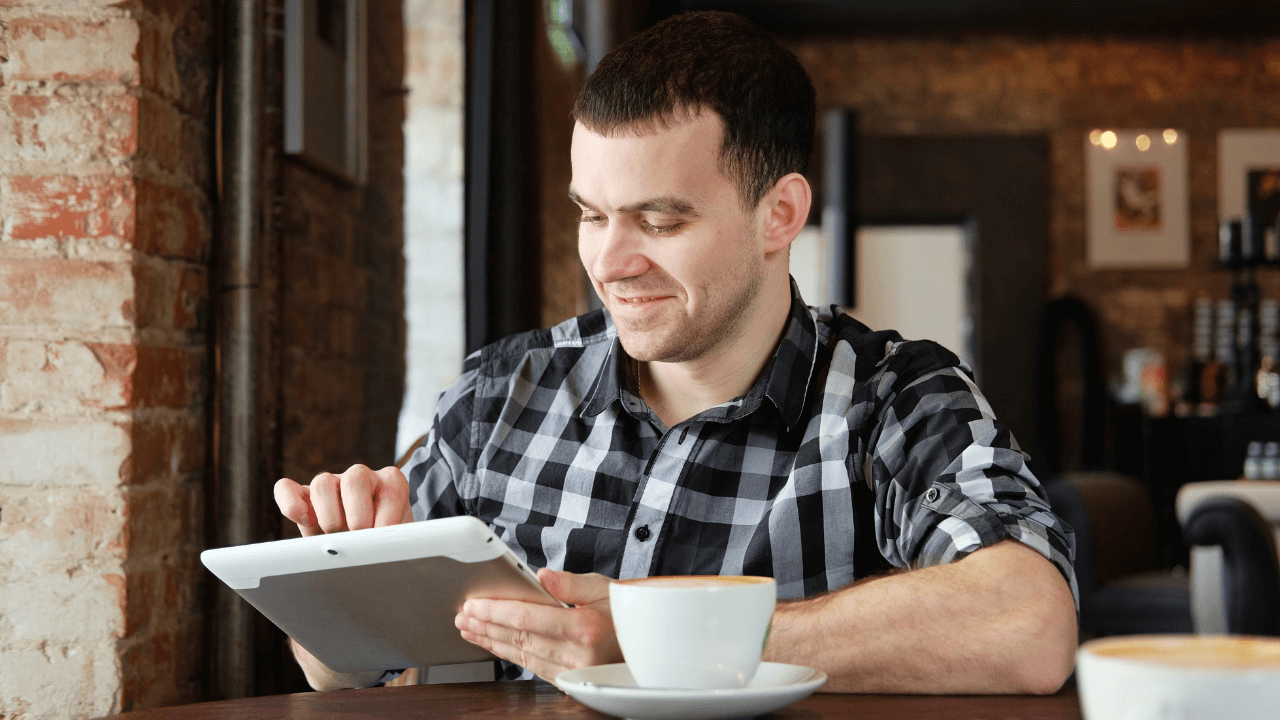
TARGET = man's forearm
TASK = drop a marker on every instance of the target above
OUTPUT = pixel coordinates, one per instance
(320, 677)
(1001, 620)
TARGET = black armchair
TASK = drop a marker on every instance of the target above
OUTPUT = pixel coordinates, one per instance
(1123, 590)
(1250, 566)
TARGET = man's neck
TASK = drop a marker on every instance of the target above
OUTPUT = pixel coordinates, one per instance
(678, 391)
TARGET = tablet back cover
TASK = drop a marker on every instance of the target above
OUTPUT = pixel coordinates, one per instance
(387, 616)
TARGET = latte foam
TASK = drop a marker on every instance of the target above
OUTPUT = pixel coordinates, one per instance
(691, 581)
(1210, 653)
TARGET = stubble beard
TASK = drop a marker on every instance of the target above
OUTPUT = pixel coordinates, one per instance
(681, 338)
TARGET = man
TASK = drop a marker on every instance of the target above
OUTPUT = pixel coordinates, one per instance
(710, 423)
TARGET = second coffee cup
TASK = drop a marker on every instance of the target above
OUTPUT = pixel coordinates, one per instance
(693, 632)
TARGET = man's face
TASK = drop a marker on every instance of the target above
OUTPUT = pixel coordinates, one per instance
(669, 248)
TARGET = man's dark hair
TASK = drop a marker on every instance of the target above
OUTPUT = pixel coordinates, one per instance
(716, 61)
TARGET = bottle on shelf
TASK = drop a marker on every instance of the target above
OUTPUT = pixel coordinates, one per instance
(1253, 461)
(1271, 461)
(1230, 242)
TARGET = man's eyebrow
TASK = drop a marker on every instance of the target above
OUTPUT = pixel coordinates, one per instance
(577, 199)
(661, 205)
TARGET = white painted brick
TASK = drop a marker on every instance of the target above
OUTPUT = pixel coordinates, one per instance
(57, 378)
(69, 293)
(72, 128)
(49, 681)
(45, 454)
(60, 609)
(76, 533)
(75, 49)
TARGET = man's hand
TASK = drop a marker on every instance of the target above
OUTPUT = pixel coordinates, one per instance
(547, 640)
(357, 499)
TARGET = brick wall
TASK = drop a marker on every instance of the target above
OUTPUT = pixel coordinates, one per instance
(1062, 88)
(342, 275)
(105, 178)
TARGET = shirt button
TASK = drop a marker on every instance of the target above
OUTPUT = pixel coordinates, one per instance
(642, 533)
(932, 495)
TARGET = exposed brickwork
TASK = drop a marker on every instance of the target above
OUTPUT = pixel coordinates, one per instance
(66, 206)
(71, 124)
(78, 49)
(65, 292)
(175, 223)
(342, 270)
(164, 659)
(105, 231)
(1063, 88)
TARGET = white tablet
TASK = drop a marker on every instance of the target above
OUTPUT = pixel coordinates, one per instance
(382, 598)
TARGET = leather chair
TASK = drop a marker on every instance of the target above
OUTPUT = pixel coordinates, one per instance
(1233, 528)
(1123, 590)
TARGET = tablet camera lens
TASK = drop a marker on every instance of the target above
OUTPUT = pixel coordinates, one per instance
(331, 551)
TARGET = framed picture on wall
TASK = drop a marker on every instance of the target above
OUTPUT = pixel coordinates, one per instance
(325, 98)
(1249, 174)
(1137, 199)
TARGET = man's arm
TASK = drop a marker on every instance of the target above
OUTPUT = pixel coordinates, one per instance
(320, 677)
(1001, 620)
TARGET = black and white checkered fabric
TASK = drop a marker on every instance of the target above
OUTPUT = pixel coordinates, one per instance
(855, 452)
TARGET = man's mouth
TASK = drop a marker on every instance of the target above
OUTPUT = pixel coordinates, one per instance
(636, 300)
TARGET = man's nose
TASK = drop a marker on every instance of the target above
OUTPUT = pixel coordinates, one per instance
(620, 254)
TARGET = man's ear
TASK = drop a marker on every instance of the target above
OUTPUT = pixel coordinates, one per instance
(786, 211)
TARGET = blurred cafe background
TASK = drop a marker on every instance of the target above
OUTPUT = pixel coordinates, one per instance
(247, 239)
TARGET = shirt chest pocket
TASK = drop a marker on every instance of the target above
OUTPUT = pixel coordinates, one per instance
(553, 524)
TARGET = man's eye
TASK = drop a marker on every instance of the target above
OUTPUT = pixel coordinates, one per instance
(661, 229)
(591, 219)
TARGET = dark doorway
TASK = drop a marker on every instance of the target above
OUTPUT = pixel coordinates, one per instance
(999, 184)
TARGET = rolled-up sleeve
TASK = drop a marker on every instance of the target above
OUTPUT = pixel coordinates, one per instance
(948, 478)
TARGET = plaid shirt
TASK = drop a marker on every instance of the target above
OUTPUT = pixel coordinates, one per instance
(853, 453)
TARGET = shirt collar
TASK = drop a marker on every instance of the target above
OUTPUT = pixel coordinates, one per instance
(785, 380)
(789, 373)
(610, 380)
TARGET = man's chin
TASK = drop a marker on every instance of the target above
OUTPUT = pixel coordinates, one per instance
(645, 347)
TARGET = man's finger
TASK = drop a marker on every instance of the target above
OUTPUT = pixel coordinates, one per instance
(574, 588)
(529, 651)
(541, 667)
(356, 486)
(391, 506)
(551, 622)
(294, 502)
(325, 489)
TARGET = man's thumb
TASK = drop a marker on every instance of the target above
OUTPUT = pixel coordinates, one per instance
(573, 588)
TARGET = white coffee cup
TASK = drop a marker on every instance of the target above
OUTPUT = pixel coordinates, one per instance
(693, 632)
(1179, 677)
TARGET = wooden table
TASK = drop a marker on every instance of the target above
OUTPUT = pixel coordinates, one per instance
(540, 700)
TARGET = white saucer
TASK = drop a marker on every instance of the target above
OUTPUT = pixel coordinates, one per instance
(611, 690)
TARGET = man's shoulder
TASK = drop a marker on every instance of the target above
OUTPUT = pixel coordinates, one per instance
(570, 337)
(876, 351)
